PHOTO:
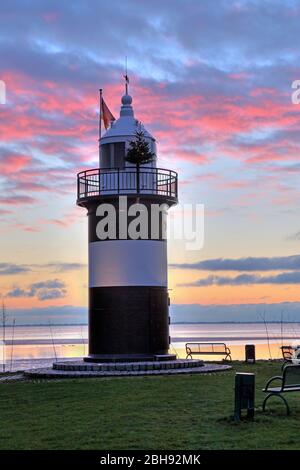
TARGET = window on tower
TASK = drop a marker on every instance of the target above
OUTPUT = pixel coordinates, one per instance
(113, 155)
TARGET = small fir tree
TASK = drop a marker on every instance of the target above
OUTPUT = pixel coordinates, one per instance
(139, 153)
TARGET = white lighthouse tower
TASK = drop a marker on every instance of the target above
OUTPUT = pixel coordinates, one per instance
(128, 282)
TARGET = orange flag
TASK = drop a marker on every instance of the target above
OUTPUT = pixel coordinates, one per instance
(106, 115)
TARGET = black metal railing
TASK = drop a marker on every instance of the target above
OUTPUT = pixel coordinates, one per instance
(109, 181)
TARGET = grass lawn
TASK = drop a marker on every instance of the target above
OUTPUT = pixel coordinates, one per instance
(179, 412)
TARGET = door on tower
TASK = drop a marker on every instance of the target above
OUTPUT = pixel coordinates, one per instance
(159, 320)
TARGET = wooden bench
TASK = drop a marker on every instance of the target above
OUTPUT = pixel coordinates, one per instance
(287, 354)
(290, 382)
(207, 349)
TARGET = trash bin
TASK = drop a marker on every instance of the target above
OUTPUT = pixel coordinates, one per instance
(244, 395)
(250, 353)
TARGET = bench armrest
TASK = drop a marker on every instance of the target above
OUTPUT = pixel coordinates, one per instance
(188, 352)
(227, 350)
(277, 377)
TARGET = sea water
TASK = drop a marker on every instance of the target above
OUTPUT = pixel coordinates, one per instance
(35, 346)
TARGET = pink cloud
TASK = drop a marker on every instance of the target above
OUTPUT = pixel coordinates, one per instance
(51, 16)
(27, 228)
(5, 212)
(17, 200)
(13, 163)
(62, 121)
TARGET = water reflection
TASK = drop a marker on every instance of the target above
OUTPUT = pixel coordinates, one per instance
(34, 346)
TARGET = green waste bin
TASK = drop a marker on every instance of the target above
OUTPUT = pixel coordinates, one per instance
(244, 395)
(250, 353)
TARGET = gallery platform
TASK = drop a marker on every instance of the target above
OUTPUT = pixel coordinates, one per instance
(82, 369)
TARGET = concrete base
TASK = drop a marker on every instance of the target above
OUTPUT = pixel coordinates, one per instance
(108, 358)
(81, 369)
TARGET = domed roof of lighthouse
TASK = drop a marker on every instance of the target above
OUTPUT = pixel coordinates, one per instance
(126, 126)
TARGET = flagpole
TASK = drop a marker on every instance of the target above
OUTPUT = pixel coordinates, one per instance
(100, 119)
(126, 77)
(100, 113)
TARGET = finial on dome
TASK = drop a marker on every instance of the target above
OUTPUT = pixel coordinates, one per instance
(126, 83)
(126, 100)
(126, 77)
(126, 108)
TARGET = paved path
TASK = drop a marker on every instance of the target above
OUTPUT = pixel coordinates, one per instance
(47, 374)
(12, 377)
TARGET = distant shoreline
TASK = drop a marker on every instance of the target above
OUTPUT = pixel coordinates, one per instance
(181, 339)
(172, 323)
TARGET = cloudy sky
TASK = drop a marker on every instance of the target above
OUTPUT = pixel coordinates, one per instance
(212, 82)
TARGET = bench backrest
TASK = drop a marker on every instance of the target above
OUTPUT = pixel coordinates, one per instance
(287, 352)
(206, 347)
(291, 376)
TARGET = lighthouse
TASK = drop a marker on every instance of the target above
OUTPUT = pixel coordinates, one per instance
(127, 206)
